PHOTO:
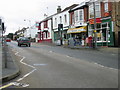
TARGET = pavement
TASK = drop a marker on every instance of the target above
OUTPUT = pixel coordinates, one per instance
(13, 71)
(99, 48)
(10, 69)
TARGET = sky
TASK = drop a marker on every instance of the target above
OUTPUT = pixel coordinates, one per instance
(14, 12)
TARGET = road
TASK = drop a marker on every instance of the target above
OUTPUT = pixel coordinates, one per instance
(44, 66)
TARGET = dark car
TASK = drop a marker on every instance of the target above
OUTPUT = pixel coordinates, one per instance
(24, 41)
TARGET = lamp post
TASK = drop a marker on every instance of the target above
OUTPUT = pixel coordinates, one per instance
(95, 36)
(107, 28)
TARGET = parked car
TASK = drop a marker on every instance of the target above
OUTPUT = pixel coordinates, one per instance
(24, 41)
(8, 40)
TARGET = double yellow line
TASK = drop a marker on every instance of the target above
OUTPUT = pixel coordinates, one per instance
(5, 86)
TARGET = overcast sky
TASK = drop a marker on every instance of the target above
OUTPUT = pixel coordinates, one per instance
(15, 11)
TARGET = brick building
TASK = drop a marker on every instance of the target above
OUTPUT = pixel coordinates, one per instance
(104, 22)
(116, 19)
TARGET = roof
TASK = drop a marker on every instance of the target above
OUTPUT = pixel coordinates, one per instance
(81, 5)
(70, 7)
(67, 8)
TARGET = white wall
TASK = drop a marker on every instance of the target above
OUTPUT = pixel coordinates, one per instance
(33, 31)
(49, 28)
(63, 19)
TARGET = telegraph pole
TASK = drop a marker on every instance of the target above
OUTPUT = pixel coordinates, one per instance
(95, 36)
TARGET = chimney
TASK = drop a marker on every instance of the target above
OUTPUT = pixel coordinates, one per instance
(59, 9)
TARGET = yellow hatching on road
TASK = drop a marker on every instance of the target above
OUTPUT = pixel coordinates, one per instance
(5, 86)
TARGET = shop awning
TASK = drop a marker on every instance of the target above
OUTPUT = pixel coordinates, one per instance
(77, 30)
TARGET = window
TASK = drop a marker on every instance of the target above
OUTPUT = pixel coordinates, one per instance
(60, 19)
(97, 10)
(73, 19)
(39, 27)
(65, 19)
(76, 15)
(106, 6)
(55, 22)
(45, 24)
(81, 14)
(91, 12)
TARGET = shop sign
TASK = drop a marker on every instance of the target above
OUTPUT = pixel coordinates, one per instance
(106, 14)
(77, 30)
(98, 20)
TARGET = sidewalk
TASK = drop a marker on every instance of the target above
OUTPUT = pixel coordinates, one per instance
(99, 48)
(11, 70)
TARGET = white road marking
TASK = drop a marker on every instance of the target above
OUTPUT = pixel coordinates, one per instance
(26, 75)
(50, 51)
(104, 66)
(69, 56)
(39, 64)
(16, 53)
(26, 63)
(21, 61)
(19, 84)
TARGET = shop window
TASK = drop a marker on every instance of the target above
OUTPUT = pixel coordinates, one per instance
(91, 26)
(98, 26)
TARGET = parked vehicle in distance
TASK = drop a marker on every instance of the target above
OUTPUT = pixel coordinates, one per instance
(8, 40)
(24, 41)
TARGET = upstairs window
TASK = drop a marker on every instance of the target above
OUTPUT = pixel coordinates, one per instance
(39, 27)
(81, 14)
(106, 6)
(55, 23)
(76, 15)
(65, 19)
(60, 20)
(46, 24)
(97, 10)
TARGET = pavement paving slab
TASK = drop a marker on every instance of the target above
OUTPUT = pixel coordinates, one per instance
(12, 69)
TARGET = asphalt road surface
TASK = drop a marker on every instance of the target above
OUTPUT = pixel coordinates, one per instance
(44, 66)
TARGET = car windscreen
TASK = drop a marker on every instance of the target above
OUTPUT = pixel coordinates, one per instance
(24, 39)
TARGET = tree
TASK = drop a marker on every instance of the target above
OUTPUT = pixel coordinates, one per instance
(10, 35)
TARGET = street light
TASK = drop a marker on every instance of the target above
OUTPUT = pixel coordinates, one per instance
(107, 28)
(95, 36)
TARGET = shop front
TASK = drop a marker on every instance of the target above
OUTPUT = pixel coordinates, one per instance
(104, 32)
(60, 35)
(77, 36)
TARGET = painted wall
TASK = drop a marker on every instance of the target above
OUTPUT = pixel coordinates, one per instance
(62, 15)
